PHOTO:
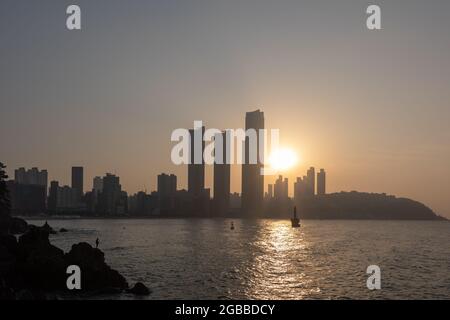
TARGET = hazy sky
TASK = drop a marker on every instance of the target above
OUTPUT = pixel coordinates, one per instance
(371, 107)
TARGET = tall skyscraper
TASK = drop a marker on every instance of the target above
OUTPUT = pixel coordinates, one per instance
(270, 191)
(252, 179)
(311, 182)
(222, 169)
(167, 188)
(77, 182)
(53, 196)
(196, 166)
(321, 182)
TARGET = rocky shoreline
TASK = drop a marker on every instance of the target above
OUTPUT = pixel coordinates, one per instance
(32, 268)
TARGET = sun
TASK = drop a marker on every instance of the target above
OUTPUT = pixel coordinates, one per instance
(283, 159)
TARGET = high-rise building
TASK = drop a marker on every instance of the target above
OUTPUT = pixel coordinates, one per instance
(311, 182)
(26, 199)
(32, 177)
(222, 170)
(142, 204)
(281, 191)
(167, 184)
(196, 166)
(53, 196)
(97, 185)
(77, 182)
(270, 191)
(321, 182)
(167, 188)
(299, 189)
(63, 199)
(67, 199)
(20, 176)
(252, 178)
(110, 200)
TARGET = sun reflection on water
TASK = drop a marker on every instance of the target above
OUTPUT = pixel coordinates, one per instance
(275, 272)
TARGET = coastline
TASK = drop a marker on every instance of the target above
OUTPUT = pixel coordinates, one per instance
(57, 218)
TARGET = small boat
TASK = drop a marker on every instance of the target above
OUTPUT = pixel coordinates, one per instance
(295, 221)
(232, 225)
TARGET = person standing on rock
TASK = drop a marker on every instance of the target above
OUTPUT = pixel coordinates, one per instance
(97, 243)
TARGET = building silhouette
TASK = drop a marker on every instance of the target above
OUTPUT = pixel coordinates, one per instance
(26, 199)
(112, 200)
(196, 166)
(64, 199)
(311, 182)
(281, 189)
(53, 196)
(300, 189)
(252, 178)
(143, 204)
(321, 182)
(28, 191)
(33, 177)
(222, 174)
(269, 191)
(77, 182)
(198, 204)
(91, 198)
(97, 185)
(167, 184)
(167, 188)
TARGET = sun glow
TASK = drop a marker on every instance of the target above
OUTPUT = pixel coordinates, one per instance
(283, 159)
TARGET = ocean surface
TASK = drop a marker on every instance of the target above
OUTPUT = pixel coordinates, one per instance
(267, 259)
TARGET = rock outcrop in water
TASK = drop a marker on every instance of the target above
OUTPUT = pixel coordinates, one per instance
(139, 289)
(97, 274)
(34, 266)
(367, 206)
(12, 225)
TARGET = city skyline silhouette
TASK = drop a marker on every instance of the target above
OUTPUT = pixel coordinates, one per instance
(370, 107)
(257, 199)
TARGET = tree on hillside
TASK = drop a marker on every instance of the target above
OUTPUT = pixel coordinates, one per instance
(5, 202)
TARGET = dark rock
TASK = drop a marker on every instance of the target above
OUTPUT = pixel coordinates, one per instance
(6, 293)
(36, 236)
(63, 230)
(46, 227)
(17, 226)
(8, 252)
(96, 274)
(34, 265)
(24, 295)
(139, 289)
(4, 224)
(9, 242)
(12, 225)
(107, 291)
(41, 264)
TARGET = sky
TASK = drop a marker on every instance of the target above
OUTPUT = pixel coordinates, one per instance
(371, 107)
